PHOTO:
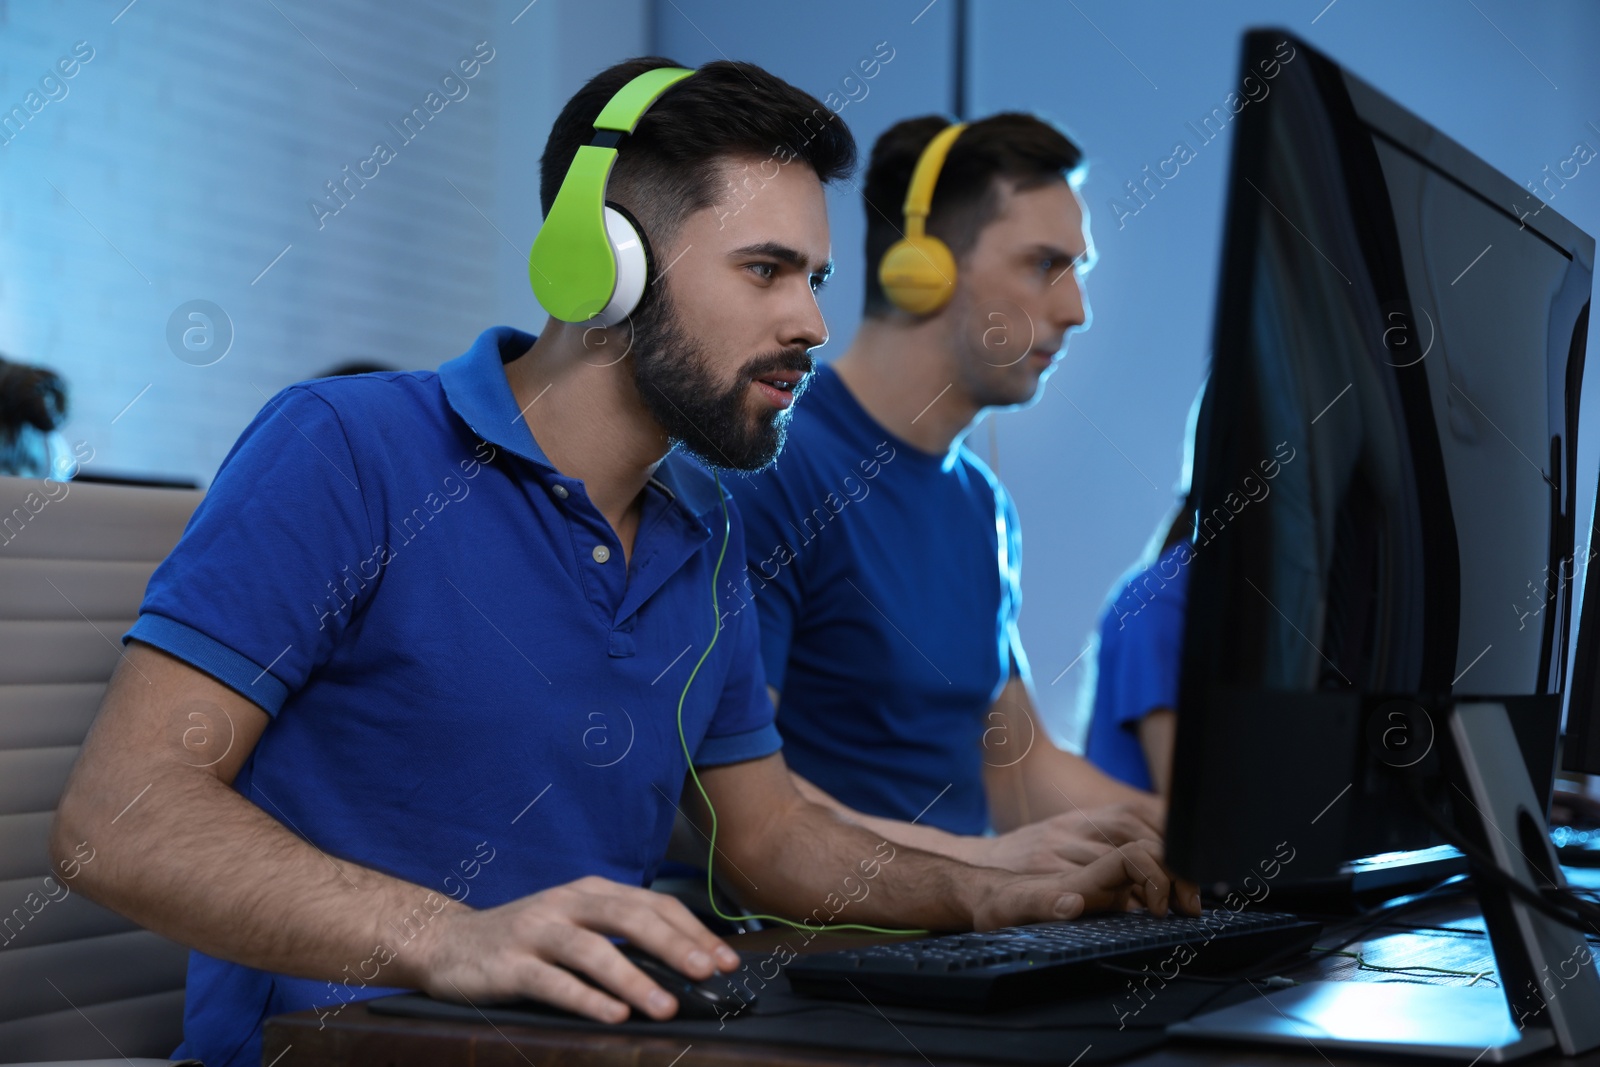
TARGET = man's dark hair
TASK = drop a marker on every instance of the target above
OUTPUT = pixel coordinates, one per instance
(667, 169)
(1024, 150)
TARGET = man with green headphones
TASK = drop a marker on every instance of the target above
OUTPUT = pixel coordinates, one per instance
(413, 702)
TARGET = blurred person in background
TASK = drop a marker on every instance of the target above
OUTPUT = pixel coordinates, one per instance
(884, 556)
(356, 366)
(33, 403)
(1130, 691)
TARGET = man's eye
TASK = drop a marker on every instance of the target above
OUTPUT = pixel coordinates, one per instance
(818, 281)
(770, 268)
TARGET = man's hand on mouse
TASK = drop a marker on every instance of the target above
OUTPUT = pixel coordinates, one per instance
(528, 947)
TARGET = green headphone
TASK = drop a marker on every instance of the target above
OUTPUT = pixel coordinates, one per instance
(590, 261)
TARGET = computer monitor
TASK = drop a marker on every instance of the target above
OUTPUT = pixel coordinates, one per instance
(1383, 468)
(1580, 748)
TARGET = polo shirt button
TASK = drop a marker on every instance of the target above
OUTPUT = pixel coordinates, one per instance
(560, 491)
(601, 553)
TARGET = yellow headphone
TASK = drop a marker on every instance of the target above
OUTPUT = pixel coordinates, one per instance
(918, 273)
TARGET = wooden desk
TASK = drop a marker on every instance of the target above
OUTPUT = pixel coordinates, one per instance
(359, 1037)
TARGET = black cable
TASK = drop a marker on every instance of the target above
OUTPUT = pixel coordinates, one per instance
(1117, 968)
(953, 1020)
(1553, 902)
(1383, 914)
(1360, 926)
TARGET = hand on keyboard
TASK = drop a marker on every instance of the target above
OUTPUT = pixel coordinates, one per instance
(1067, 841)
(1129, 874)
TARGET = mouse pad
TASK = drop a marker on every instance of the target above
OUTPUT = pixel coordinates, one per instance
(1082, 1030)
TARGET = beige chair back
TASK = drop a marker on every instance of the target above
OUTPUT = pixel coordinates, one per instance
(76, 980)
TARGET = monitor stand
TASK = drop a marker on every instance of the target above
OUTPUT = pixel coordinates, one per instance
(1550, 992)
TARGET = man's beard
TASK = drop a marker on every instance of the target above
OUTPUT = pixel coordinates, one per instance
(681, 392)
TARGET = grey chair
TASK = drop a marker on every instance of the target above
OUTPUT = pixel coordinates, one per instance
(76, 980)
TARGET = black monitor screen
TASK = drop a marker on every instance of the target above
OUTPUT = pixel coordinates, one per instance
(1383, 491)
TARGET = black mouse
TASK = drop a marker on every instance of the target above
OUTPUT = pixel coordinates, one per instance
(712, 998)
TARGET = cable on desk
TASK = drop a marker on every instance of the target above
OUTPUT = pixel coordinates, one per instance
(1363, 964)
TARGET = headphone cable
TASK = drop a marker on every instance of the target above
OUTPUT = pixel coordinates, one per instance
(716, 615)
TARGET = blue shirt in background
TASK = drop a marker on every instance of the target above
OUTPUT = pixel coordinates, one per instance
(469, 687)
(1141, 649)
(887, 581)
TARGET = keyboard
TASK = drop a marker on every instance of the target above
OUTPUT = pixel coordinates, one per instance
(1045, 961)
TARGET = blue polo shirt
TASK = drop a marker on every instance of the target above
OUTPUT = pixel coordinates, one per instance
(470, 689)
(1136, 666)
(888, 584)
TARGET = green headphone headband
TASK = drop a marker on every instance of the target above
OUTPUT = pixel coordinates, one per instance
(571, 266)
(624, 110)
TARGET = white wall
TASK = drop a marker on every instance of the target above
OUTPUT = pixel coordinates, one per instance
(181, 163)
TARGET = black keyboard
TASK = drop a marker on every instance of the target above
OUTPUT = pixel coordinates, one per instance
(1044, 961)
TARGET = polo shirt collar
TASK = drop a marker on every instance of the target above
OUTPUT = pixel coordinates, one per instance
(476, 388)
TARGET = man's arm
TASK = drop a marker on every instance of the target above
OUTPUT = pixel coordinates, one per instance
(181, 852)
(811, 865)
(927, 838)
(1072, 839)
(1029, 779)
(963, 847)
(1158, 733)
(687, 845)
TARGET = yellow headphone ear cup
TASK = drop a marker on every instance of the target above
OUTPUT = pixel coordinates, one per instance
(918, 274)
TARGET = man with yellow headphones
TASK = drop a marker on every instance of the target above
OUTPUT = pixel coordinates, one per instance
(367, 738)
(883, 554)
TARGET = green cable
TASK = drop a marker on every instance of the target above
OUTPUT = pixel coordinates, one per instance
(1363, 964)
(716, 618)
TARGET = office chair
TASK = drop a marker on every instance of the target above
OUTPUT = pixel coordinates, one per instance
(76, 980)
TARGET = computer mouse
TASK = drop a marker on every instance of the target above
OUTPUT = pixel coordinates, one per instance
(712, 998)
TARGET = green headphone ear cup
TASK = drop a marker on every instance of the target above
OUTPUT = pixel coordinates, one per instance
(918, 274)
(571, 266)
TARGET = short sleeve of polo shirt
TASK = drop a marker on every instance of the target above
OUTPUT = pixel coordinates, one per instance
(1144, 673)
(244, 594)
